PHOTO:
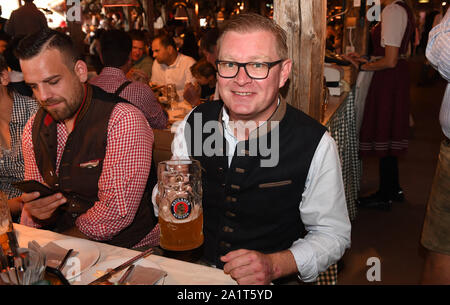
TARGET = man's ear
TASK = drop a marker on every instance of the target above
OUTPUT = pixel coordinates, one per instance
(286, 67)
(4, 78)
(81, 70)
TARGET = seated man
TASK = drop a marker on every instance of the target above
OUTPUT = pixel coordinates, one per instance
(204, 86)
(268, 213)
(92, 149)
(115, 53)
(142, 63)
(170, 67)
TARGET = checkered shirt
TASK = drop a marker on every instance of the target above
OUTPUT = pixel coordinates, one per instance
(11, 160)
(121, 185)
(136, 93)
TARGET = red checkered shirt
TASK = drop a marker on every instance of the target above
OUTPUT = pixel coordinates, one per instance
(122, 181)
(138, 94)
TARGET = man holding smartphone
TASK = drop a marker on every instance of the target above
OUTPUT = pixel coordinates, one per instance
(88, 144)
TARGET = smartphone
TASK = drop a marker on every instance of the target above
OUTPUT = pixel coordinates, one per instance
(30, 186)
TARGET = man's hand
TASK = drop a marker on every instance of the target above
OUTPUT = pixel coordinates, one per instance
(249, 267)
(253, 267)
(138, 75)
(192, 93)
(42, 208)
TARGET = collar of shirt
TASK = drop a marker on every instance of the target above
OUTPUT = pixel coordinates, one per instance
(229, 134)
(111, 71)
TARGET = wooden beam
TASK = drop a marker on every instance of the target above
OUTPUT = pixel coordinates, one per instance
(305, 24)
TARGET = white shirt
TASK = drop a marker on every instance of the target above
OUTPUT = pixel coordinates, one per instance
(394, 20)
(179, 73)
(438, 53)
(323, 208)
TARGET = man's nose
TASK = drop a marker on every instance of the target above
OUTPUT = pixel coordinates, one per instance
(242, 77)
(42, 92)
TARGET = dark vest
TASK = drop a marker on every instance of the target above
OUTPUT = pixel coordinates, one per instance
(82, 163)
(245, 205)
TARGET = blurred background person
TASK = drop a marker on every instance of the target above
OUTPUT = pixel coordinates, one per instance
(170, 67)
(190, 44)
(15, 110)
(204, 85)
(115, 53)
(142, 62)
(16, 81)
(208, 45)
(436, 229)
(385, 126)
(25, 20)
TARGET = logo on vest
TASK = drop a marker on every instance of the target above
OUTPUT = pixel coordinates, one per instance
(181, 208)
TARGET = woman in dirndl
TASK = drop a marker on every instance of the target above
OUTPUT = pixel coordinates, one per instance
(385, 127)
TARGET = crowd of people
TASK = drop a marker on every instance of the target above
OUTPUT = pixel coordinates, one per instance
(84, 127)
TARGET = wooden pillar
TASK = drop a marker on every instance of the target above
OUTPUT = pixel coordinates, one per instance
(305, 24)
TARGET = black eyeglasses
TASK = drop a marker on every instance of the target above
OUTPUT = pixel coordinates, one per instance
(254, 70)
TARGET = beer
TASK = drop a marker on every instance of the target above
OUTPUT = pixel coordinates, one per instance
(181, 236)
(179, 202)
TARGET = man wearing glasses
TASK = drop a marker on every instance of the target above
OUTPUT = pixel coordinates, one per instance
(264, 222)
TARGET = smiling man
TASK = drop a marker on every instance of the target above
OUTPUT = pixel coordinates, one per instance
(264, 223)
(91, 147)
(142, 63)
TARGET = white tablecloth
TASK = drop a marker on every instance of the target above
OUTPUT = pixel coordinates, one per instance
(179, 272)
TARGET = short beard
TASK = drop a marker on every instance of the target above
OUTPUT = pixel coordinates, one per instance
(70, 108)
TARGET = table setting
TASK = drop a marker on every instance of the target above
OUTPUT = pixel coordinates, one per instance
(89, 260)
(33, 256)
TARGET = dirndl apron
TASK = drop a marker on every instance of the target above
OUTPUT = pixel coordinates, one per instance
(385, 126)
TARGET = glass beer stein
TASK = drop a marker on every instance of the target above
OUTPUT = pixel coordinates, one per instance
(179, 202)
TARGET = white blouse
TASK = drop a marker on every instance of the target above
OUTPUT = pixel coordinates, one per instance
(394, 20)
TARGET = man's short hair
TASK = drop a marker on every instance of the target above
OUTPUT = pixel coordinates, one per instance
(249, 22)
(166, 40)
(115, 47)
(33, 44)
(138, 35)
